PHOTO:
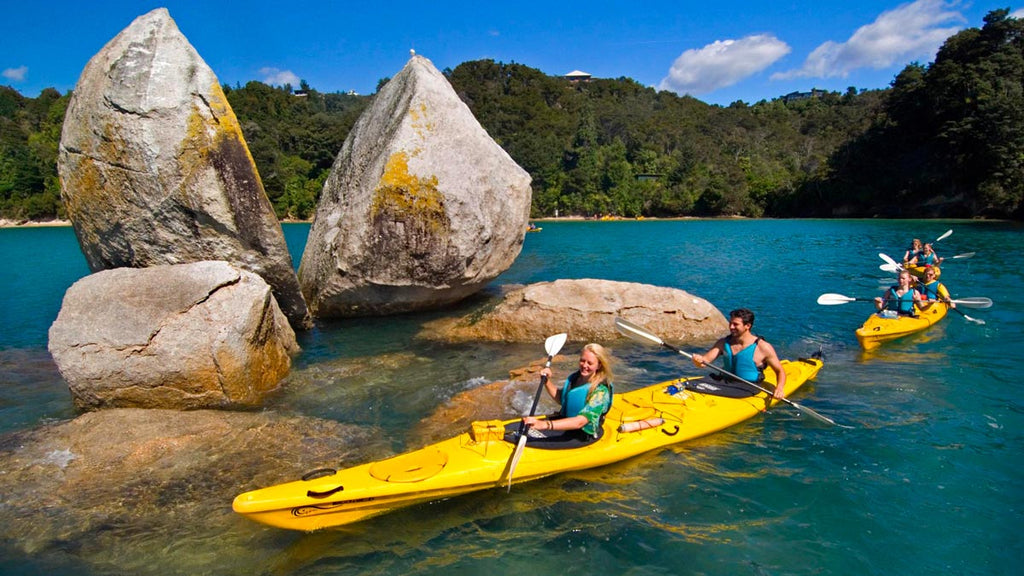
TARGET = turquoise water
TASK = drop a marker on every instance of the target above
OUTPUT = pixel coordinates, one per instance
(926, 481)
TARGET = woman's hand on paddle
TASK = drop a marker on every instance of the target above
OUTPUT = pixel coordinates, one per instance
(535, 422)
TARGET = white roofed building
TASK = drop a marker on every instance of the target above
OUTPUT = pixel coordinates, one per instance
(578, 76)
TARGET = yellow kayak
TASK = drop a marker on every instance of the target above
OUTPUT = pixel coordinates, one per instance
(478, 459)
(918, 271)
(877, 329)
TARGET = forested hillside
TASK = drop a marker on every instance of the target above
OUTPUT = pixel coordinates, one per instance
(945, 139)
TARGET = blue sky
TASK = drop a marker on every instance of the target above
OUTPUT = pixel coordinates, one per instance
(718, 52)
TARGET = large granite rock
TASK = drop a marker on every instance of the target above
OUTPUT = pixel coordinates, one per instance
(154, 168)
(422, 208)
(586, 310)
(200, 335)
(131, 491)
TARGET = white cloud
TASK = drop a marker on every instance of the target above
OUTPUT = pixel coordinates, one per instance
(723, 63)
(279, 77)
(905, 33)
(1018, 13)
(15, 74)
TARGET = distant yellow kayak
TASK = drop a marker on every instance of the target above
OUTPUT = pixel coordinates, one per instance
(918, 271)
(877, 329)
(478, 459)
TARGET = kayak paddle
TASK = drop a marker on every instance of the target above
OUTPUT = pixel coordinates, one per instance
(833, 299)
(637, 333)
(552, 345)
(947, 234)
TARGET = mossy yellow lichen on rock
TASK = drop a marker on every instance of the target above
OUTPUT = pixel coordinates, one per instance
(408, 198)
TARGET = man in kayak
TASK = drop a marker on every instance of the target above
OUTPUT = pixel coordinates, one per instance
(745, 354)
(900, 298)
(585, 396)
(932, 290)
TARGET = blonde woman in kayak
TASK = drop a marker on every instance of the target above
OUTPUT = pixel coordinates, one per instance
(915, 249)
(585, 396)
(900, 298)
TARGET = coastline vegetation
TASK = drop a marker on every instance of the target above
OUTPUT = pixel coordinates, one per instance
(944, 140)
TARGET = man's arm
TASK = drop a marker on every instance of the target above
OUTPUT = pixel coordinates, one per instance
(772, 359)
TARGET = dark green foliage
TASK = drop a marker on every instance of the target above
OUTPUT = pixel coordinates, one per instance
(29, 137)
(950, 140)
(944, 140)
(294, 138)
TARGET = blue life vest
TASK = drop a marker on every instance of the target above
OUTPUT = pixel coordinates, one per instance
(742, 364)
(901, 304)
(931, 290)
(574, 398)
(925, 259)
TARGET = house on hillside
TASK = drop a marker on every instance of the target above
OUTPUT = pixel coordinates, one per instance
(794, 96)
(577, 76)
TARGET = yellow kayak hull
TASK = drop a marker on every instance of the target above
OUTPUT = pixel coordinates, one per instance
(918, 271)
(478, 459)
(877, 330)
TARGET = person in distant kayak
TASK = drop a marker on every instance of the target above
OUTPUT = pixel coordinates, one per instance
(926, 257)
(745, 354)
(915, 249)
(932, 290)
(585, 396)
(900, 298)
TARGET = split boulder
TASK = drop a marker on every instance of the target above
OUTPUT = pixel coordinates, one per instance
(200, 335)
(422, 208)
(154, 168)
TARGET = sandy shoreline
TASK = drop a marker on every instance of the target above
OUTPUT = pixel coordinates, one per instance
(5, 223)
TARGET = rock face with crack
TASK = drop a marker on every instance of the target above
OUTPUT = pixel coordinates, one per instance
(199, 335)
(154, 168)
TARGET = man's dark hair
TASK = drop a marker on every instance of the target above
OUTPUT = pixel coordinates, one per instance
(743, 314)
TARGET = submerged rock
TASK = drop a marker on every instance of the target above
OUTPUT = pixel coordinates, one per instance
(201, 335)
(586, 310)
(154, 168)
(106, 480)
(422, 208)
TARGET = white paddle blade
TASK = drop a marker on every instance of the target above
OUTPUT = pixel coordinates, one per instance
(944, 236)
(833, 299)
(554, 343)
(888, 268)
(889, 260)
(977, 302)
(964, 255)
(635, 332)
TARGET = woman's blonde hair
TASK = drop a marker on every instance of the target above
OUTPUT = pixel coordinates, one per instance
(604, 360)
